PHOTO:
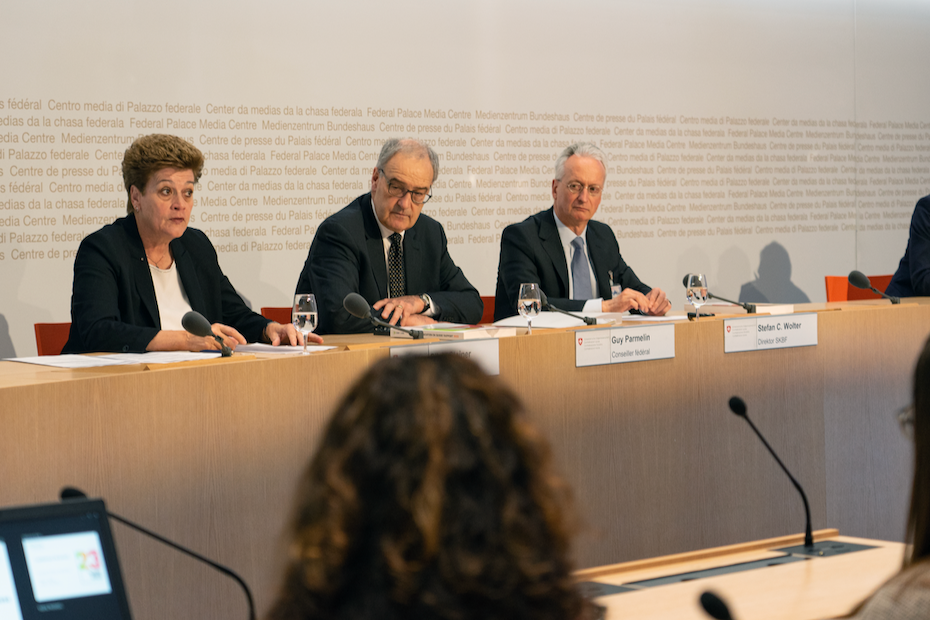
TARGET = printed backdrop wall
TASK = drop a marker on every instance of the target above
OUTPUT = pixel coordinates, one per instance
(766, 143)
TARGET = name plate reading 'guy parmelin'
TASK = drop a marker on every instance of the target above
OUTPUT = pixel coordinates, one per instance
(596, 347)
(485, 353)
(770, 332)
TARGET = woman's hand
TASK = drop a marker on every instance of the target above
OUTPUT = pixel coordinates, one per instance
(231, 337)
(178, 340)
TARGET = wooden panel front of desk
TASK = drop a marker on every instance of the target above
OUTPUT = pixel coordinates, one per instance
(210, 455)
(658, 461)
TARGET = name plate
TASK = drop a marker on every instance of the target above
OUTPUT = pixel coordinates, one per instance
(763, 332)
(618, 345)
(485, 353)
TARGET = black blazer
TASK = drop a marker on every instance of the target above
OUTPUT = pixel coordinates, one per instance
(912, 279)
(113, 306)
(531, 251)
(347, 255)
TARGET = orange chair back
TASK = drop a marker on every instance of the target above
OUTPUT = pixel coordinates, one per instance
(488, 316)
(839, 288)
(51, 337)
(278, 315)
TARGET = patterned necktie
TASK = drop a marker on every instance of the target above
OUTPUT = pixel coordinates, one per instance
(581, 275)
(396, 284)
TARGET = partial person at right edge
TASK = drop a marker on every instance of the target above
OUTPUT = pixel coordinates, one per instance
(382, 247)
(906, 596)
(912, 279)
(574, 259)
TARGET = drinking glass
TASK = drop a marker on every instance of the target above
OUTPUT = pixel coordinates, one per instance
(696, 285)
(529, 303)
(304, 315)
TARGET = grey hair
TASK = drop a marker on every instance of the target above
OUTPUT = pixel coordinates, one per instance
(408, 146)
(581, 149)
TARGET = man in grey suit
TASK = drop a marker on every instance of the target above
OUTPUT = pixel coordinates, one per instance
(575, 260)
(381, 247)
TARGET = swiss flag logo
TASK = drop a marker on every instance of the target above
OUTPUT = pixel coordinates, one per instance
(728, 329)
(580, 340)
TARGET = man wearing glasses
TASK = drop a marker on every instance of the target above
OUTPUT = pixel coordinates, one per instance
(575, 260)
(384, 249)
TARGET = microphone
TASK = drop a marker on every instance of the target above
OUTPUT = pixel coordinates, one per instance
(860, 280)
(356, 305)
(72, 493)
(738, 406)
(750, 308)
(547, 306)
(195, 323)
(714, 606)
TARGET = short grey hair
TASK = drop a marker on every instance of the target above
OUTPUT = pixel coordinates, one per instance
(581, 149)
(408, 146)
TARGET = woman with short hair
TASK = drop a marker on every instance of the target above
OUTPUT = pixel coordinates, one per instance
(135, 278)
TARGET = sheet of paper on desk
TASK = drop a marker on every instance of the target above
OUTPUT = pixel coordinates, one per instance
(70, 361)
(161, 357)
(259, 347)
(725, 308)
(554, 320)
(644, 318)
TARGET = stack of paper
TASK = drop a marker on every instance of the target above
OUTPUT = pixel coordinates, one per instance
(455, 331)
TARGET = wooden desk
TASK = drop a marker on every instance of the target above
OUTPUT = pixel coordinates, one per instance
(209, 455)
(816, 588)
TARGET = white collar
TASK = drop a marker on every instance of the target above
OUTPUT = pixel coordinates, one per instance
(385, 231)
(566, 234)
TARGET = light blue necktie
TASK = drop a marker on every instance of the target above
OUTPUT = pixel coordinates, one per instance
(581, 274)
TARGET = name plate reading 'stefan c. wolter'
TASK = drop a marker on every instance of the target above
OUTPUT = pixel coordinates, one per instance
(596, 347)
(770, 332)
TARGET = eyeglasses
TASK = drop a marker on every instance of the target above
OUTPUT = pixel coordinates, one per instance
(905, 416)
(576, 188)
(418, 196)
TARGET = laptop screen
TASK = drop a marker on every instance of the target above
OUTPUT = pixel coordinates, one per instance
(58, 562)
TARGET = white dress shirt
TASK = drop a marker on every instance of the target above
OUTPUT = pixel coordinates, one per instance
(567, 235)
(170, 296)
(386, 242)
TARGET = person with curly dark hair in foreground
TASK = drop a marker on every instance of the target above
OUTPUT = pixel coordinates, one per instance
(430, 496)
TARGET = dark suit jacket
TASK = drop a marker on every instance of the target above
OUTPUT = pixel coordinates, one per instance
(912, 279)
(531, 251)
(347, 255)
(113, 305)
